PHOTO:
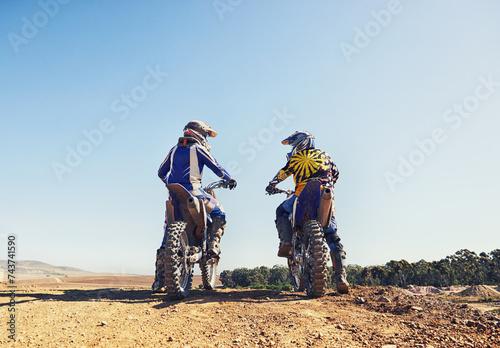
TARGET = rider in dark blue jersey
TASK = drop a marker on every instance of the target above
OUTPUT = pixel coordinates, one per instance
(305, 162)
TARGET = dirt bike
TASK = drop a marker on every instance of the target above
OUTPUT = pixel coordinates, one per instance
(308, 258)
(187, 240)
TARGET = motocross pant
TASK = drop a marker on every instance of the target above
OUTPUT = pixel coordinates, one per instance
(212, 207)
(331, 235)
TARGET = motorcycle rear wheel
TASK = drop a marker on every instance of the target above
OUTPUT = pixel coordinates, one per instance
(315, 260)
(178, 269)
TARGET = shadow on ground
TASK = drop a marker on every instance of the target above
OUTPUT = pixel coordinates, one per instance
(196, 296)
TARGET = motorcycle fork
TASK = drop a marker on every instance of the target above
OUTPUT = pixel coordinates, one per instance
(296, 246)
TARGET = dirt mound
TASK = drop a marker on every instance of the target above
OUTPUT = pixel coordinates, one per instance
(480, 291)
(455, 288)
(424, 290)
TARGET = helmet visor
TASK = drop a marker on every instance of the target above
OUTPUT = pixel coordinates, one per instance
(289, 140)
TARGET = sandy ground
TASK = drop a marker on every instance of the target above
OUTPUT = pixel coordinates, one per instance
(121, 312)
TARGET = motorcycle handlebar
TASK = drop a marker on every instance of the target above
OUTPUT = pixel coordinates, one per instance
(277, 190)
(216, 184)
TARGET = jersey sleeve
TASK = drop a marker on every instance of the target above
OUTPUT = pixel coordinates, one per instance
(332, 172)
(335, 173)
(283, 173)
(207, 159)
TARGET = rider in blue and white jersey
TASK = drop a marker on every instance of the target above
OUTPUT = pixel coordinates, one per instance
(184, 165)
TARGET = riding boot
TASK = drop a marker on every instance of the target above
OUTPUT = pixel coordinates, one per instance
(216, 233)
(338, 261)
(159, 282)
(285, 235)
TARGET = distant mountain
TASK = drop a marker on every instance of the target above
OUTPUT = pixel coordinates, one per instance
(37, 267)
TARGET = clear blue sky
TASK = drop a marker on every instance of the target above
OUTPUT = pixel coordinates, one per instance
(404, 95)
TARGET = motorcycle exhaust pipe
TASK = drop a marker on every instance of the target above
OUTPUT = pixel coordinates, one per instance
(196, 210)
(325, 207)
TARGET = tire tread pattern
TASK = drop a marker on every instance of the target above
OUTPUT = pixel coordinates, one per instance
(171, 268)
(208, 275)
(318, 258)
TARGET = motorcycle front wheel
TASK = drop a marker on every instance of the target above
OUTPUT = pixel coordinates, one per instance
(209, 273)
(178, 269)
(296, 267)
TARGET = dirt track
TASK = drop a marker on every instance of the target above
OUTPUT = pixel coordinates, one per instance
(83, 314)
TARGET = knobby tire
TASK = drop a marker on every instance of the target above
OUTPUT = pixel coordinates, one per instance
(209, 271)
(316, 259)
(208, 274)
(178, 270)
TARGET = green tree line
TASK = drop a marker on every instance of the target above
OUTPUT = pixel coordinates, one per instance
(262, 277)
(465, 267)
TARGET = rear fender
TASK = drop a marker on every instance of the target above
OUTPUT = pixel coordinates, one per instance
(199, 215)
(307, 203)
(169, 212)
(178, 201)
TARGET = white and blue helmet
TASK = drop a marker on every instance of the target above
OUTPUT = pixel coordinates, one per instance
(299, 141)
